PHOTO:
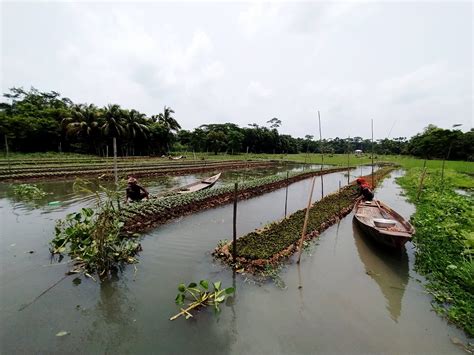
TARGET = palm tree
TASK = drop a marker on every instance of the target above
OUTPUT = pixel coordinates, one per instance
(167, 120)
(113, 118)
(83, 122)
(133, 122)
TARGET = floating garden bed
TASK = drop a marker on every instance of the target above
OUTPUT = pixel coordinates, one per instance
(142, 216)
(136, 170)
(268, 246)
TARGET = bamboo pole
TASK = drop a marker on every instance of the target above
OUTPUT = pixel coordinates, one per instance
(305, 224)
(234, 239)
(339, 200)
(322, 154)
(348, 162)
(442, 166)
(8, 154)
(286, 193)
(420, 187)
(372, 153)
(115, 162)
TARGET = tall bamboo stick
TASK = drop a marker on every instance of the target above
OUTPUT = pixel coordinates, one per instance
(234, 224)
(322, 154)
(373, 153)
(305, 224)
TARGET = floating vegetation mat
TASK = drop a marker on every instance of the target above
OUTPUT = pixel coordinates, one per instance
(138, 217)
(105, 171)
(266, 247)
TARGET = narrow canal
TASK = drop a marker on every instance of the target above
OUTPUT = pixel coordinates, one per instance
(354, 297)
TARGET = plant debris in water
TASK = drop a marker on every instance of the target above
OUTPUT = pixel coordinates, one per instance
(93, 239)
(444, 239)
(200, 296)
(28, 191)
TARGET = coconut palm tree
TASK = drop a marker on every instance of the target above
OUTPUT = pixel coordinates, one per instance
(113, 122)
(83, 123)
(167, 120)
(134, 125)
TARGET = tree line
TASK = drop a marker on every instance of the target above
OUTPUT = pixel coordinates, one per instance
(34, 121)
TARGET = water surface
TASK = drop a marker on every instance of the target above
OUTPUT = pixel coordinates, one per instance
(354, 297)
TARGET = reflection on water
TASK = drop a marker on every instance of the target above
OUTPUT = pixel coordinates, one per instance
(115, 312)
(388, 268)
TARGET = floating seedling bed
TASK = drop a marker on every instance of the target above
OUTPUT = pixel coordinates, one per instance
(136, 170)
(145, 215)
(267, 247)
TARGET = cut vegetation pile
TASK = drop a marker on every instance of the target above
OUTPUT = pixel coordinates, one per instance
(258, 249)
(147, 214)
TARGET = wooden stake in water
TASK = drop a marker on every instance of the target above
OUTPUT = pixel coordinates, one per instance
(286, 193)
(7, 153)
(322, 154)
(372, 153)
(194, 154)
(234, 239)
(348, 163)
(339, 199)
(305, 224)
(115, 162)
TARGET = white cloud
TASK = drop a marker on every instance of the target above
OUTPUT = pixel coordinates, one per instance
(244, 62)
(256, 89)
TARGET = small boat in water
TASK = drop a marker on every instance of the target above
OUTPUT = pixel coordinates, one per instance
(382, 224)
(199, 185)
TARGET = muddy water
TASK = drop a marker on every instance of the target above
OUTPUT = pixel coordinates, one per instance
(354, 299)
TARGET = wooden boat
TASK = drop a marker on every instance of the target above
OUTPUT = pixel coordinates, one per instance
(199, 185)
(382, 224)
(176, 158)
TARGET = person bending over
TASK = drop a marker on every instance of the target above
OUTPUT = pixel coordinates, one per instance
(134, 191)
(364, 190)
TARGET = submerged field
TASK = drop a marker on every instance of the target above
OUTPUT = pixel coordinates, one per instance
(348, 286)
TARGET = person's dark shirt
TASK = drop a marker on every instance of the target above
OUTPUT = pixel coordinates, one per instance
(133, 192)
(365, 191)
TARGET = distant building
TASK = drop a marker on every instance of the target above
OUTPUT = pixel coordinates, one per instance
(358, 152)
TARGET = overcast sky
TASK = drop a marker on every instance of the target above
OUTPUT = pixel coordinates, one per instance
(403, 64)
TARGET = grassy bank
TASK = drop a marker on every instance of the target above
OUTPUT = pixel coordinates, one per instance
(444, 222)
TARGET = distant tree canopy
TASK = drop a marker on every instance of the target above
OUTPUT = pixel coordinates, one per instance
(35, 121)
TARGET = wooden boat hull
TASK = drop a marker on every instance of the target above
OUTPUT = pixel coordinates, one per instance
(393, 237)
(199, 185)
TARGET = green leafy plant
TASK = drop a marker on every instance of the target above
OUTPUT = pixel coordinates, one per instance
(28, 191)
(92, 238)
(444, 222)
(200, 296)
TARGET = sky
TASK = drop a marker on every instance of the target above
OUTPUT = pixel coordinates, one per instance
(403, 65)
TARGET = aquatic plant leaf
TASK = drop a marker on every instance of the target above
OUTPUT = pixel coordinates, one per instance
(217, 285)
(179, 299)
(181, 288)
(229, 290)
(192, 285)
(204, 284)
